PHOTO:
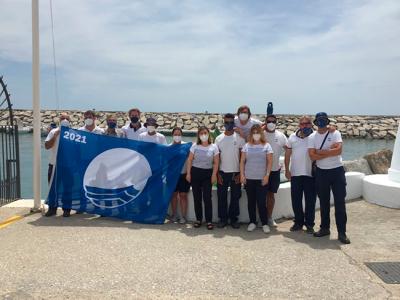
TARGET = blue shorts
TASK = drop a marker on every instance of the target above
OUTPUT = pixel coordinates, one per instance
(274, 181)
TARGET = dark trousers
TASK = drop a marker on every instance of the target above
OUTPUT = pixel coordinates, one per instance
(300, 185)
(49, 173)
(201, 188)
(335, 180)
(256, 196)
(228, 180)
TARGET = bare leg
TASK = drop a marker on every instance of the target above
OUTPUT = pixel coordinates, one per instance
(270, 204)
(183, 201)
(174, 204)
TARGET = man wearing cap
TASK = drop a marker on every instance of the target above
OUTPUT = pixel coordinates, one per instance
(90, 123)
(278, 142)
(134, 128)
(244, 121)
(325, 147)
(151, 135)
(51, 143)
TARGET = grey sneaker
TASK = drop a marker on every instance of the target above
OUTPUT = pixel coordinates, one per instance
(271, 223)
(182, 220)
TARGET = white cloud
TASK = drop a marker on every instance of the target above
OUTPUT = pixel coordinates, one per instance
(206, 55)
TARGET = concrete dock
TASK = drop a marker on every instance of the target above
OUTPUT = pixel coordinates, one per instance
(86, 257)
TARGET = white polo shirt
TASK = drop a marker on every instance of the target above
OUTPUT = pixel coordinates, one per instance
(278, 142)
(246, 127)
(314, 142)
(229, 148)
(300, 161)
(53, 150)
(157, 138)
(131, 133)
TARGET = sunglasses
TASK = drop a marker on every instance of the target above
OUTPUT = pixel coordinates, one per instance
(305, 123)
(271, 122)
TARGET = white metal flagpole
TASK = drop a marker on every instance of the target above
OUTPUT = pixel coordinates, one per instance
(36, 106)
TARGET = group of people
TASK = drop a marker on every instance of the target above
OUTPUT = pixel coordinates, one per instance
(246, 153)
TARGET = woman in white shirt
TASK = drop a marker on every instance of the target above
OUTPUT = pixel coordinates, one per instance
(182, 187)
(255, 168)
(202, 167)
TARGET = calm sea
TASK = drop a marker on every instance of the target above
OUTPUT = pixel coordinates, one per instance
(352, 149)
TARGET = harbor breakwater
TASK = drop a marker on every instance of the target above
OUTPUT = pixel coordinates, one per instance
(351, 126)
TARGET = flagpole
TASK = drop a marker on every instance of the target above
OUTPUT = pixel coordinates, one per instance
(36, 106)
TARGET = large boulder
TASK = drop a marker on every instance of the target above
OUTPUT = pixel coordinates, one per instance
(379, 161)
(359, 165)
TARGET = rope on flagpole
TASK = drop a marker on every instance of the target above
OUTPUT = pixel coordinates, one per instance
(54, 56)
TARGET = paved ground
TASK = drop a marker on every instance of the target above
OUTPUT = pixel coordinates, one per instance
(89, 257)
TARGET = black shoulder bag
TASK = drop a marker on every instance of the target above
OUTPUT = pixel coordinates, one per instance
(314, 163)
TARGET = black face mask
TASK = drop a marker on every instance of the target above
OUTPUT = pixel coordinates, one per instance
(229, 126)
(134, 120)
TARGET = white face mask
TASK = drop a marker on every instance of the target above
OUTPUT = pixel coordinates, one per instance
(177, 138)
(65, 123)
(204, 137)
(88, 122)
(151, 129)
(243, 116)
(271, 126)
(256, 137)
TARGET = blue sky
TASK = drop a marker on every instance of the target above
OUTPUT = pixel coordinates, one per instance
(342, 57)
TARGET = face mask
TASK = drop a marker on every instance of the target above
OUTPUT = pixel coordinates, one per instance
(229, 126)
(243, 116)
(321, 123)
(204, 137)
(65, 123)
(177, 138)
(151, 129)
(256, 137)
(307, 131)
(271, 126)
(88, 122)
(112, 125)
(134, 120)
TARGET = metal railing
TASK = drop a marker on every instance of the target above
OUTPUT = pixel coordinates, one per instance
(10, 176)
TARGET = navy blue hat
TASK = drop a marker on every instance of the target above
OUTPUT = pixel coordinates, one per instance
(321, 115)
(151, 122)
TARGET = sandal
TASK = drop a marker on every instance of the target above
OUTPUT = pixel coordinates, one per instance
(210, 226)
(196, 224)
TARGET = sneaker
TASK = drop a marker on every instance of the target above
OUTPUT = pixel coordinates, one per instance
(51, 212)
(222, 224)
(173, 219)
(235, 225)
(271, 222)
(296, 227)
(251, 227)
(310, 230)
(322, 232)
(182, 220)
(66, 213)
(343, 238)
(266, 229)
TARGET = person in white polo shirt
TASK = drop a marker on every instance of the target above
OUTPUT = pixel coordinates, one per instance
(151, 135)
(51, 143)
(298, 171)
(90, 123)
(278, 142)
(244, 121)
(229, 144)
(134, 128)
(202, 168)
(325, 148)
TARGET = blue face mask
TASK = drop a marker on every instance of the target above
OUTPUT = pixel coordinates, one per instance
(307, 131)
(229, 126)
(322, 123)
(111, 125)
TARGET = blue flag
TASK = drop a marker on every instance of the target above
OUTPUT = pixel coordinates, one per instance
(116, 177)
